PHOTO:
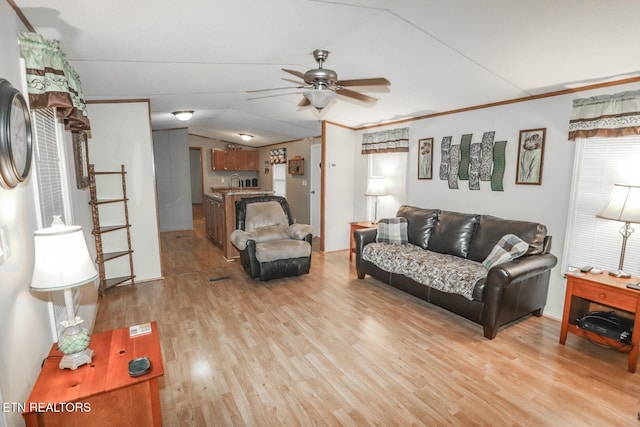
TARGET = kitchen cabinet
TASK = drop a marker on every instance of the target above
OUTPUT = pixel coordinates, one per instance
(214, 220)
(234, 160)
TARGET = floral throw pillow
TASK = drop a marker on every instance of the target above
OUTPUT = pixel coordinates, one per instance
(392, 230)
(508, 248)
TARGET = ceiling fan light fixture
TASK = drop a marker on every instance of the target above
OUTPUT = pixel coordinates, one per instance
(183, 115)
(246, 137)
(320, 98)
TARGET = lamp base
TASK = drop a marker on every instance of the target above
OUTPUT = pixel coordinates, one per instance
(72, 361)
(619, 273)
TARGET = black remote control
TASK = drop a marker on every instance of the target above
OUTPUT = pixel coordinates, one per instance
(634, 286)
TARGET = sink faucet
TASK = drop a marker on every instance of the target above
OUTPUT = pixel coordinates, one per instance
(236, 176)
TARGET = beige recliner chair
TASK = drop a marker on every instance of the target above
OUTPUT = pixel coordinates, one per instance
(271, 245)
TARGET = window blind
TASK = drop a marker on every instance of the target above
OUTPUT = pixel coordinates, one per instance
(48, 166)
(599, 164)
(51, 192)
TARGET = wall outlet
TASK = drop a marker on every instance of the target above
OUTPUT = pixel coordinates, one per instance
(222, 180)
(304, 182)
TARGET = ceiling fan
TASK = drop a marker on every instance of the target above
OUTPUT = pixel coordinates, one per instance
(322, 84)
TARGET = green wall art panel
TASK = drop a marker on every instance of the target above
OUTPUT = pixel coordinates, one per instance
(499, 163)
(465, 151)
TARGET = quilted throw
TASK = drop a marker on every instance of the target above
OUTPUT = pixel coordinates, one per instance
(446, 273)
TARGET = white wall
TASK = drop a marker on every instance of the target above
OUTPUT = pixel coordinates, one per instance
(547, 203)
(173, 180)
(338, 164)
(121, 134)
(25, 333)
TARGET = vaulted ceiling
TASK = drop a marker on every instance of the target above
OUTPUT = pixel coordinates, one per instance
(439, 55)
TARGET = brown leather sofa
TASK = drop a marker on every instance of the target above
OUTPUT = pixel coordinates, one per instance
(510, 290)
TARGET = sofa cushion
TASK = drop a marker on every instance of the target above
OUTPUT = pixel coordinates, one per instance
(491, 229)
(392, 230)
(508, 248)
(274, 250)
(420, 222)
(453, 233)
(264, 214)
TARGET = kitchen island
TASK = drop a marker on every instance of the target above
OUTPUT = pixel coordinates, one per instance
(220, 215)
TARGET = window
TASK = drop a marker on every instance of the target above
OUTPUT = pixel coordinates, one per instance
(280, 179)
(52, 194)
(599, 164)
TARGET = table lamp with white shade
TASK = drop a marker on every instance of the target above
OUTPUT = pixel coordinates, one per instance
(62, 262)
(376, 187)
(623, 205)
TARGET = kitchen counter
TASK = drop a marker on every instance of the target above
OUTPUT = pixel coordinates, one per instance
(220, 214)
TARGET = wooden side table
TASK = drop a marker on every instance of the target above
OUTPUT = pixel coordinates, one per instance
(100, 393)
(356, 225)
(582, 290)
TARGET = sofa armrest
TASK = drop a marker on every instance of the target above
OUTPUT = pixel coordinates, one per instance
(520, 269)
(515, 288)
(239, 239)
(363, 237)
(299, 231)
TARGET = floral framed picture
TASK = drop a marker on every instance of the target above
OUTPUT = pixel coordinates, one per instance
(425, 158)
(81, 159)
(530, 156)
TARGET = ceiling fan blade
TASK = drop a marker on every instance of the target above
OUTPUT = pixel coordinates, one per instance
(295, 73)
(299, 84)
(356, 95)
(376, 81)
(304, 102)
(273, 96)
(273, 88)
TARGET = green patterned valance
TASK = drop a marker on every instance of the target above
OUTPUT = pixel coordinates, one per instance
(607, 116)
(386, 141)
(52, 82)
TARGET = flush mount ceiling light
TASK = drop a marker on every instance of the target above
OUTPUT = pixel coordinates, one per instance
(246, 137)
(183, 115)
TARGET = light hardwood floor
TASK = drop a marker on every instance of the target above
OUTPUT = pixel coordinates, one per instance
(329, 349)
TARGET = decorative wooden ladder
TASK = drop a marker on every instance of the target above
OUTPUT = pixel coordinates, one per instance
(99, 230)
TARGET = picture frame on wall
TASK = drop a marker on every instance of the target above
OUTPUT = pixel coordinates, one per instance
(530, 156)
(81, 159)
(425, 158)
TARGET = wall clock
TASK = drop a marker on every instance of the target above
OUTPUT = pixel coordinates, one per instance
(15, 136)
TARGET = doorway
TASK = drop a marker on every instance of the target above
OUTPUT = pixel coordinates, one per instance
(315, 181)
(197, 184)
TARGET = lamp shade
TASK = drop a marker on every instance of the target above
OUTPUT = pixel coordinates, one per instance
(376, 186)
(62, 259)
(320, 98)
(623, 205)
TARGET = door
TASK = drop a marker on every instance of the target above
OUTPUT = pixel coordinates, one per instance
(315, 187)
